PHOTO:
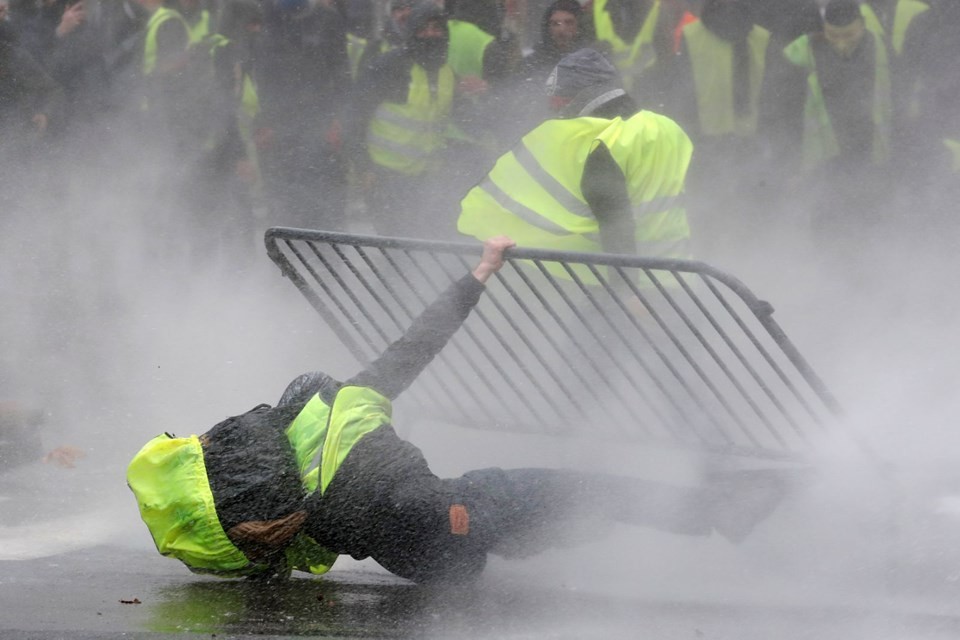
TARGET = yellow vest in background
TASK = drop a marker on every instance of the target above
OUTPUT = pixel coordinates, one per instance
(711, 61)
(533, 192)
(406, 137)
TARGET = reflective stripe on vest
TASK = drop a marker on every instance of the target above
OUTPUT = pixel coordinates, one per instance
(953, 146)
(468, 42)
(356, 45)
(711, 62)
(533, 192)
(819, 140)
(249, 99)
(159, 17)
(630, 58)
(406, 137)
(904, 13)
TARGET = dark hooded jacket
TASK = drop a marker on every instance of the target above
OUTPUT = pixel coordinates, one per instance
(383, 502)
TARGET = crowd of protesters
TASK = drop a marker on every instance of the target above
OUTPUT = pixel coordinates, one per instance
(228, 116)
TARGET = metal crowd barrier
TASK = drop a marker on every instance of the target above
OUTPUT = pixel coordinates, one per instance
(667, 352)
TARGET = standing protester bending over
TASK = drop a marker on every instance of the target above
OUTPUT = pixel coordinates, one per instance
(603, 176)
(324, 473)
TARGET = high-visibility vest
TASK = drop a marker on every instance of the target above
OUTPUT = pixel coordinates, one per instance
(249, 98)
(200, 29)
(711, 61)
(406, 137)
(819, 140)
(160, 16)
(953, 146)
(356, 45)
(904, 13)
(323, 435)
(466, 47)
(630, 58)
(533, 193)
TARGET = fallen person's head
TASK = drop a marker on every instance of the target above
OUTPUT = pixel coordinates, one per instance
(218, 504)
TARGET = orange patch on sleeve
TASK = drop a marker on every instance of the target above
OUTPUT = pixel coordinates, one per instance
(459, 520)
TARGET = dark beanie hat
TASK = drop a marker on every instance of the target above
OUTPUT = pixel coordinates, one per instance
(579, 70)
(423, 12)
(840, 13)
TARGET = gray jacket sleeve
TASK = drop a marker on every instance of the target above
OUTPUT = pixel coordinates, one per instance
(402, 362)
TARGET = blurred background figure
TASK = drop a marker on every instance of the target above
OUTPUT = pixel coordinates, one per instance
(227, 186)
(715, 96)
(398, 120)
(928, 122)
(636, 35)
(363, 49)
(21, 441)
(305, 77)
(30, 103)
(561, 32)
(847, 118)
(198, 18)
(484, 54)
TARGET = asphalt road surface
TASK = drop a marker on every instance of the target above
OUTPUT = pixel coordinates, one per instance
(75, 562)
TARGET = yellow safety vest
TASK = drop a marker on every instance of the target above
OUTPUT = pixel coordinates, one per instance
(630, 58)
(711, 61)
(323, 435)
(162, 15)
(533, 193)
(249, 99)
(904, 13)
(468, 43)
(201, 29)
(953, 146)
(355, 48)
(406, 137)
(819, 140)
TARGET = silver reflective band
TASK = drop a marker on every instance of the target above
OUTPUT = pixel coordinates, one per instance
(412, 124)
(550, 184)
(600, 100)
(523, 212)
(657, 205)
(405, 150)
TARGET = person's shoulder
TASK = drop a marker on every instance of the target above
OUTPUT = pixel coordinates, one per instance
(394, 63)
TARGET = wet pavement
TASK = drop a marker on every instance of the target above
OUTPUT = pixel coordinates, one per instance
(103, 593)
(75, 562)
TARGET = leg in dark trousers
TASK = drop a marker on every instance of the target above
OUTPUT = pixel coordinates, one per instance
(520, 512)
